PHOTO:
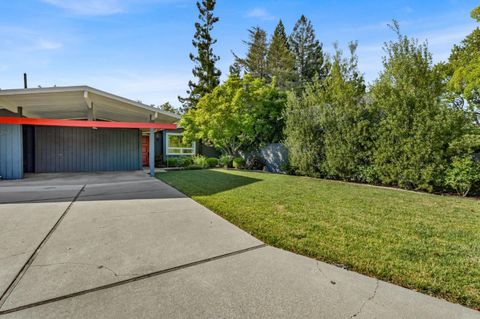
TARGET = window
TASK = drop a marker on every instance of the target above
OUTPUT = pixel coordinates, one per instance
(175, 145)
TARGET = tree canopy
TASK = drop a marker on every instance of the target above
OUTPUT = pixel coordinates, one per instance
(240, 114)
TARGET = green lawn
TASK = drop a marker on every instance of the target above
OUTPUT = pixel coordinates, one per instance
(426, 242)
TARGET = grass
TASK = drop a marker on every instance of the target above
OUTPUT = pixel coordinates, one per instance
(425, 242)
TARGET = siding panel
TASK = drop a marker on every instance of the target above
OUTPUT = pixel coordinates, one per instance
(71, 149)
(11, 151)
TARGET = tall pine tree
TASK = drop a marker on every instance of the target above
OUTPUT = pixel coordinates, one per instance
(255, 63)
(280, 60)
(310, 60)
(206, 74)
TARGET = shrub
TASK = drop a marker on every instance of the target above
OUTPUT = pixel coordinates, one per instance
(368, 174)
(172, 162)
(462, 174)
(255, 162)
(238, 162)
(200, 160)
(212, 162)
(225, 161)
(185, 161)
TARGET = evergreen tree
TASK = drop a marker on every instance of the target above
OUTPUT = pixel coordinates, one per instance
(280, 61)
(235, 69)
(415, 125)
(206, 74)
(167, 107)
(310, 61)
(255, 63)
(347, 120)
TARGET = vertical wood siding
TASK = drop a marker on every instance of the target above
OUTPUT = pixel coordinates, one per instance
(11, 151)
(75, 149)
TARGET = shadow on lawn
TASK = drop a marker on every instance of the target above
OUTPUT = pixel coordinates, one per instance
(209, 182)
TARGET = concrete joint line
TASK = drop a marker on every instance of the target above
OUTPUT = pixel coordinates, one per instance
(130, 280)
(32, 257)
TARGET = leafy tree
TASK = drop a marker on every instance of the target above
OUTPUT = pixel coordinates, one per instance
(169, 108)
(328, 130)
(255, 63)
(463, 70)
(304, 133)
(347, 119)
(206, 74)
(310, 61)
(280, 60)
(415, 126)
(239, 115)
(463, 174)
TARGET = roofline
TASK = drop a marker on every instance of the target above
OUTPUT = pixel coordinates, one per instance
(80, 88)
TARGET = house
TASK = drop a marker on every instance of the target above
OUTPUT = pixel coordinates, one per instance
(83, 129)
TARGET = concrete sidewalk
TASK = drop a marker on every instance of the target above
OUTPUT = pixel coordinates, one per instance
(124, 245)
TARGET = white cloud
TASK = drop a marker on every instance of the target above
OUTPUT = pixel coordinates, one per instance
(46, 44)
(89, 7)
(260, 13)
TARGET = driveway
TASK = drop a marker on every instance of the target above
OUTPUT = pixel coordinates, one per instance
(125, 245)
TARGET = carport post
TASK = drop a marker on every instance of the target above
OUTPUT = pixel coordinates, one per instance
(151, 159)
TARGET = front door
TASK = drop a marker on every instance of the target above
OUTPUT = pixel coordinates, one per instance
(145, 150)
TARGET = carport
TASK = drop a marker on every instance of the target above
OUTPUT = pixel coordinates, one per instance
(75, 129)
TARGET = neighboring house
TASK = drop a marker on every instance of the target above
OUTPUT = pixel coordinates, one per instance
(82, 129)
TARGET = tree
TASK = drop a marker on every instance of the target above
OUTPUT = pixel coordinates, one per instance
(167, 107)
(206, 74)
(328, 127)
(463, 71)
(235, 69)
(310, 61)
(304, 132)
(415, 126)
(280, 60)
(255, 63)
(239, 115)
(347, 119)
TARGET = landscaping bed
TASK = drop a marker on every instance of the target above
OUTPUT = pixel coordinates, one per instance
(425, 242)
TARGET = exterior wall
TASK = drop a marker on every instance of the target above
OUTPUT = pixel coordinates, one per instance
(73, 149)
(11, 151)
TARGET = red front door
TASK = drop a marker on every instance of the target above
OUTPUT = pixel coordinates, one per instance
(145, 150)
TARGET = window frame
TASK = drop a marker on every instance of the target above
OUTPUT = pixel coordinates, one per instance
(167, 146)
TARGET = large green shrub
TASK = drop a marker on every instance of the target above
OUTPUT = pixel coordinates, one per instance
(226, 161)
(304, 133)
(462, 174)
(238, 162)
(185, 161)
(415, 125)
(200, 161)
(172, 162)
(212, 162)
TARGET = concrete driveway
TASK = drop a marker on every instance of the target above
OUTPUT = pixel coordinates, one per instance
(124, 245)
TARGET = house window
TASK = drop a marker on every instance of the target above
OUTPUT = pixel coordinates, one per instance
(175, 145)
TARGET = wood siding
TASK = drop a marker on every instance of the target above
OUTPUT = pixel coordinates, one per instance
(11, 151)
(72, 149)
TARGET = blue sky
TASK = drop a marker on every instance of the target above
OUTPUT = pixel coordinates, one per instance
(139, 48)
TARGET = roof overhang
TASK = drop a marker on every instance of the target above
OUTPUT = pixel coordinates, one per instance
(83, 123)
(81, 103)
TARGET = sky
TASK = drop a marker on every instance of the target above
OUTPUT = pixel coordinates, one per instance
(139, 48)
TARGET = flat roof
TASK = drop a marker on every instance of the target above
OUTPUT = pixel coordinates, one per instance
(81, 102)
